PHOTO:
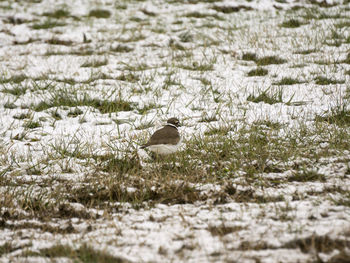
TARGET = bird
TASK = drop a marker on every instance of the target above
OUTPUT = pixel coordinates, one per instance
(166, 140)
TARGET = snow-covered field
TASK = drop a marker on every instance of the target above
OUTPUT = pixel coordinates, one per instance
(262, 89)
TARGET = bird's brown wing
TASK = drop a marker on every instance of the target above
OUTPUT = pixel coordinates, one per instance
(166, 135)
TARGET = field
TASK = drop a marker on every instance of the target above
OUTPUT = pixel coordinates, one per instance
(262, 89)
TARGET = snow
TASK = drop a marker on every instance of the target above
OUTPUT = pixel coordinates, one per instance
(179, 232)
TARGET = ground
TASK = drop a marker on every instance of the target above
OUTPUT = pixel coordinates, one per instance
(261, 88)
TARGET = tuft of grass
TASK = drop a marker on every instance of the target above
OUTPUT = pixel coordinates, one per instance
(321, 80)
(74, 113)
(32, 124)
(222, 131)
(135, 37)
(84, 253)
(146, 108)
(186, 37)
(339, 116)
(22, 116)
(60, 13)
(342, 24)
(249, 56)
(100, 13)
(270, 60)
(14, 79)
(306, 51)
(176, 46)
(319, 244)
(347, 60)
(94, 63)
(10, 105)
(292, 23)
(231, 9)
(49, 23)
(15, 90)
(121, 49)
(209, 118)
(196, 14)
(6, 248)
(104, 106)
(263, 61)
(322, 3)
(148, 12)
(223, 230)
(306, 176)
(195, 66)
(258, 72)
(132, 78)
(269, 124)
(144, 126)
(287, 81)
(264, 96)
(56, 41)
(343, 201)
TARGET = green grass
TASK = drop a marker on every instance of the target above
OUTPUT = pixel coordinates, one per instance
(121, 49)
(56, 41)
(287, 81)
(343, 201)
(269, 124)
(306, 176)
(267, 97)
(249, 56)
(100, 13)
(203, 15)
(291, 23)
(231, 9)
(195, 66)
(249, 151)
(258, 72)
(32, 124)
(268, 60)
(209, 118)
(85, 253)
(22, 116)
(263, 61)
(186, 37)
(222, 131)
(321, 80)
(128, 77)
(343, 24)
(60, 13)
(306, 51)
(17, 90)
(147, 107)
(6, 248)
(104, 106)
(94, 63)
(75, 113)
(224, 151)
(9, 105)
(13, 79)
(47, 24)
(339, 116)
(347, 60)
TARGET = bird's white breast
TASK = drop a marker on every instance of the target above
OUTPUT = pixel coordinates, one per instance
(164, 148)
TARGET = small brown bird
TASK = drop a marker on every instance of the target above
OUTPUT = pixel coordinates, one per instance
(166, 140)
